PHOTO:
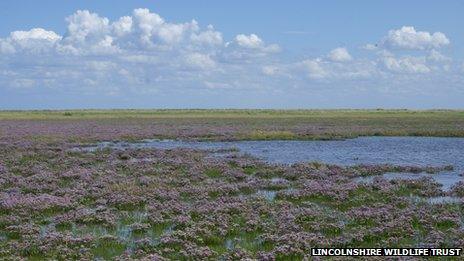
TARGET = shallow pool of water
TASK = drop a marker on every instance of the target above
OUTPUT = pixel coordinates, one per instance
(403, 151)
(446, 178)
(439, 200)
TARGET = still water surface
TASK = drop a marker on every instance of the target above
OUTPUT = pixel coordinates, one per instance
(405, 151)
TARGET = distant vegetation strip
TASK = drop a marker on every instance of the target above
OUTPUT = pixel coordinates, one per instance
(224, 113)
(230, 124)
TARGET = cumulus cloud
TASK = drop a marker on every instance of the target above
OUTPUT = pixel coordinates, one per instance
(408, 38)
(201, 61)
(328, 70)
(141, 49)
(85, 27)
(436, 56)
(91, 34)
(253, 42)
(123, 26)
(144, 31)
(340, 54)
(143, 53)
(36, 40)
(209, 37)
(35, 34)
(278, 71)
(315, 69)
(406, 64)
(6, 47)
(249, 41)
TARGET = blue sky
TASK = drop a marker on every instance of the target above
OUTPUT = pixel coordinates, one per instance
(231, 54)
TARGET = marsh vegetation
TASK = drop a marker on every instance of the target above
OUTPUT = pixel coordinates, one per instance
(182, 203)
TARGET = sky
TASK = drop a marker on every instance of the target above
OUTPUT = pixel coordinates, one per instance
(231, 54)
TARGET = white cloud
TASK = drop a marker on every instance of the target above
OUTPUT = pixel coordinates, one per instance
(155, 32)
(328, 70)
(146, 24)
(144, 53)
(270, 70)
(406, 64)
(86, 28)
(23, 83)
(408, 38)
(272, 48)
(253, 41)
(141, 58)
(144, 32)
(36, 40)
(340, 55)
(218, 85)
(123, 26)
(139, 52)
(35, 34)
(314, 69)
(201, 61)
(101, 65)
(436, 56)
(247, 48)
(209, 37)
(6, 47)
(249, 41)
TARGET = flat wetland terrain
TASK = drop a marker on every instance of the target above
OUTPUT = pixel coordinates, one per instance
(232, 124)
(61, 201)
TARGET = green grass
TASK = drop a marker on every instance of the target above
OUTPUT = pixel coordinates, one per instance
(108, 248)
(445, 224)
(250, 170)
(261, 124)
(213, 173)
(270, 135)
(227, 113)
